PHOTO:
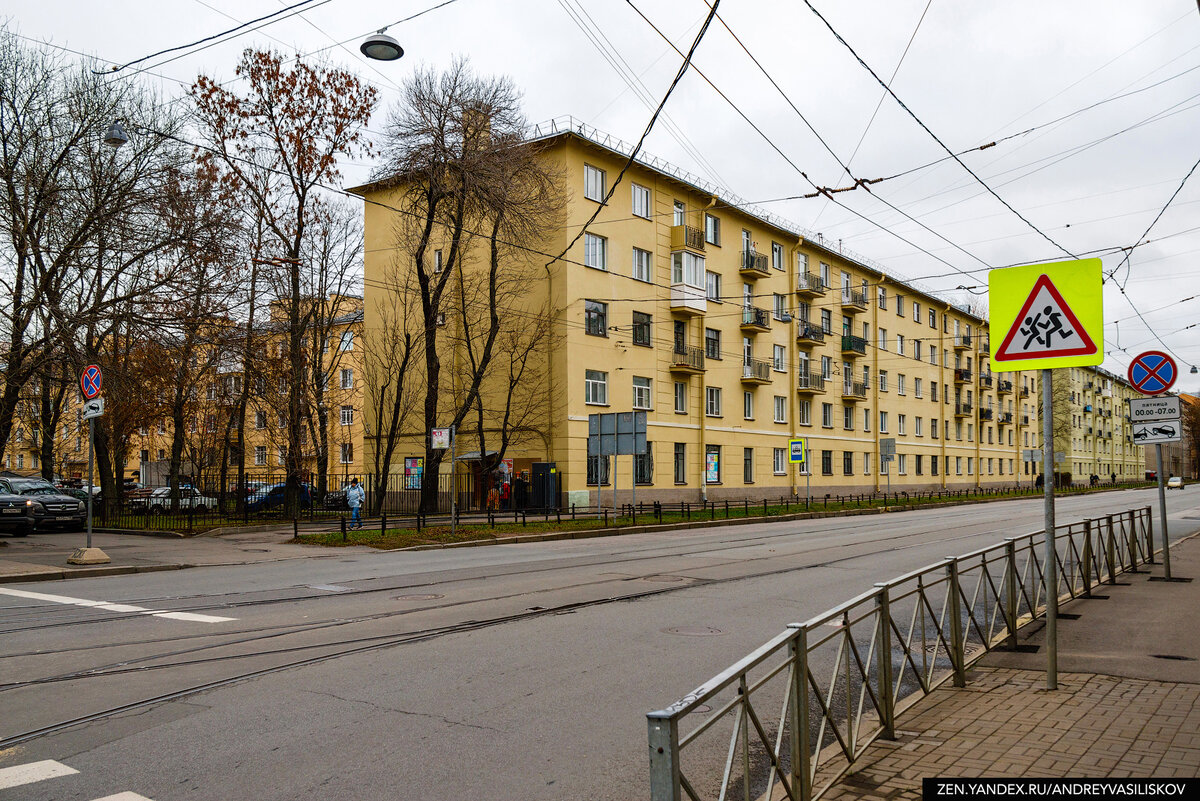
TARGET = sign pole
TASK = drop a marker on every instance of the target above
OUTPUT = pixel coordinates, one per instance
(92, 479)
(1050, 569)
(1162, 514)
(453, 485)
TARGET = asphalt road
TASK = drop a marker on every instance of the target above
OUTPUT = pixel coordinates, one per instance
(517, 672)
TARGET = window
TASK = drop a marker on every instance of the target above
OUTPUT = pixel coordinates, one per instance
(347, 341)
(595, 387)
(260, 455)
(958, 465)
(847, 463)
(902, 463)
(597, 470)
(641, 201)
(281, 420)
(827, 415)
(779, 461)
(883, 381)
(779, 308)
(687, 268)
(917, 349)
(593, 183)
(777, 255)
(867, 420)
(933, 324)
(866, 463)
(900, 344)
(260, 420)
(347, 452)
(641, 264)
(848, 418)
(920, 464)
(882, 298)
(641, 392)
(824, 272)
(826, 368)
(883, 339)
(780, 409)
(917, 387)
(712, 401)
(595, 318)
(641, 329)
(680, 462)
(595, 251)
(806, 413)
(281, 455)
(901, 421)
(347, 378)
(916, 312)
(437, 261)
(779, 361)
(970, 465)
(712, 343)
(679, 213)
(899, 383)
(712, 230)
(827, 463)
(712, 464)
(933, 465)
(826, 322)
(917, 429)
(933, 391)
(347, 415)
(883, 429)
(748, 465)
(643, 466)
(712, 286)
(899, 305)
(680, 397)
(748, 405)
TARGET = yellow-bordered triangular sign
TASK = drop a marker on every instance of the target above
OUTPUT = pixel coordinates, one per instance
(1044, 328)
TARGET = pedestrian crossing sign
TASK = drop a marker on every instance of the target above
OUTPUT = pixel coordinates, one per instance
(1052, 315)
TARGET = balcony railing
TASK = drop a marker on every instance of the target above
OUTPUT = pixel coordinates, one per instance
(754, 317)
(1005, 418)
(962, 374)
(962, 409)
(685, 236)
(854, 389)
(1024, 392)
(853, 344)
(1024, 419)
(756, 370)
(962, 341)
(985, 414)
(810, 283)
(811, 382)
(1004, 387)
(985, 380)
(754, 264)
(688, 357)
(856, 301)
(809, 332)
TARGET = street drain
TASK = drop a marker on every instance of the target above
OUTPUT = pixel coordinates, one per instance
(1176, 657)
(427, 597)
(694, 631)
(664, 579)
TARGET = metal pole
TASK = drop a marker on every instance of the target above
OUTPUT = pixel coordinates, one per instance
(1162, 515)
(91, 475)
(1050, 569)
(453, 484)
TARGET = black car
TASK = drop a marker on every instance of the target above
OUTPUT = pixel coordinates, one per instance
(19, 516)
(59, 510)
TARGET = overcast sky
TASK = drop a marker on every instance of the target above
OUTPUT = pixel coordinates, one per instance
(975, 72)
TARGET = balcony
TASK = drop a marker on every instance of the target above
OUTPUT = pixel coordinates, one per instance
(852, 345)
(687, 359)
(962, 342)
(755, 319)
(985, 380)
(853, 301)
(754, 265)
(1004, 387)
(809, 333)
(1087, 407)
(962, 409)
(1005, 418)
(1024, 392)
(756, 371)
(854, 390)
(984, 414)
(810, 285)
(811, 382)
(1024, 419)
(961, 375)
(688, 299)
(685, 237)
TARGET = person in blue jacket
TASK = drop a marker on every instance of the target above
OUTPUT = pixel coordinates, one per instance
(354, 499)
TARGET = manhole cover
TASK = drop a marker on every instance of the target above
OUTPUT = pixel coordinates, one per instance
(425, 597)
(664, 579)
(694, 631)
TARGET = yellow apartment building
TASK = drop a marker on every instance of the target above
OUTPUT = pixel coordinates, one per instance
(736, 332)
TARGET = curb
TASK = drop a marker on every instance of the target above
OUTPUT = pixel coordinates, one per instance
(58, 574)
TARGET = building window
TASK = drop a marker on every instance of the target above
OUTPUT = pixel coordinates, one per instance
(712, 343)
(899, 383)
(920, 464)
(900, 344)
(779, 461)
(827, 415)
(643, 466)
(902, 463)
(933, 391)
(748, 405)
(827, 463)
(595, 318)
(641, 201)
(641, 392)
(780, 409)
(437, 261)
(748, 465)
(712, 286)
(347, 378)
(917, 429)
(687, 268)
(347, 341)
(917, 387)
(595, 387)
(779, 361)
(806, 413)
(593, 183)
(680, 462)
(260, 455)
(641, 329)
(867, 420)
(883, 429)
(933, 465)
(595, 251)
(848, 418)
(712, 230)
(779, 306)
(680, 397)
(777, 255)
(958, 465)
(641, 264)
(883, 339)
(597, 470)
(882, 298)
(826, 368)
(883, 381)
(260, 420)
(901, 423)
(866, 463)
(916, 312)
(281, 455)
(712, 464)
(826, 322)
(847, 463)
(347, 452)
(347, 415)
(933, 324)
(679, 212)
(712, 401)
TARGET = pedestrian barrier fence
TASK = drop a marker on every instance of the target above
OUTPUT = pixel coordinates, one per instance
(789, 719)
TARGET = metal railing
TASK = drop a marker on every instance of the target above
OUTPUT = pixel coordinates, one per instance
(756, 369)
(752, 315)
(811, 381)
(810, 282)
(962, 374)
(690, 356)
(854, 389)
(851, 297)
(789, 719)
(851, 343)
(755, 262)
(811, 332)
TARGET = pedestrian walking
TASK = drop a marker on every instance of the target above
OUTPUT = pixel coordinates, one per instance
(505, 493)
(354, 499)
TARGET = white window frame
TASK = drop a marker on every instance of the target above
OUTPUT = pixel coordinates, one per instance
(747, 404)
(347, 377)
(594, 180)
(780, 409)
(642, 265)
(346, 415)
(642, 392)
(712, 401)
(595, 387)
(680, 397)
(595, 251)
(639, 200)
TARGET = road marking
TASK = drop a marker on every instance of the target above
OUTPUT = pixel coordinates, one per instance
(125, 796)
(191, 617)
(33, 772)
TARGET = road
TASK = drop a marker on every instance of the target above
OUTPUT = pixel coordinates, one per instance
(516, 672)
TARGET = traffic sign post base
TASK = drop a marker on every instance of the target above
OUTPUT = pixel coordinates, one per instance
(88, 556)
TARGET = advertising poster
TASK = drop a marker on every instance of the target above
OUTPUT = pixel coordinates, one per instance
(712, 468)
(414, 468)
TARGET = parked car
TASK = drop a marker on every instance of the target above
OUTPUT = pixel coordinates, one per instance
(19, 516)
(59, 510)
(272, 497)
(1175, 482)
(335, 500)
(160, 501)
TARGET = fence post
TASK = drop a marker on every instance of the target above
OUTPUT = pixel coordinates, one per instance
(1112, 554)
(886, 700)
(957, 646)
(606, 518)
(664, 757)
(343, 529)
(1150, 534)
(382, 523)
(726, 508)
(801, 736)
(1087, 558)
(1131, 540)
(295, 528)
(1010, 589)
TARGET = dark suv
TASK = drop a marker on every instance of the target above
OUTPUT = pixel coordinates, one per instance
(19, 515)
(59, 510)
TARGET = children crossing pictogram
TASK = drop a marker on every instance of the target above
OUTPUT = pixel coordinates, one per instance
(1045, 327)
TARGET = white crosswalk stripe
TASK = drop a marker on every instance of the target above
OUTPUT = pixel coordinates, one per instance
(33, 772)
(109, 606)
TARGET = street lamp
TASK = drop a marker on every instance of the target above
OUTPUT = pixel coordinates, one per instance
(381, 47)
(116, 135)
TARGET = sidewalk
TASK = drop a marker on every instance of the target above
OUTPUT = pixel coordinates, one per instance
(1127, 703)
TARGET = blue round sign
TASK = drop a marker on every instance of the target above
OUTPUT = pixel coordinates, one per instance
(1153, 372)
